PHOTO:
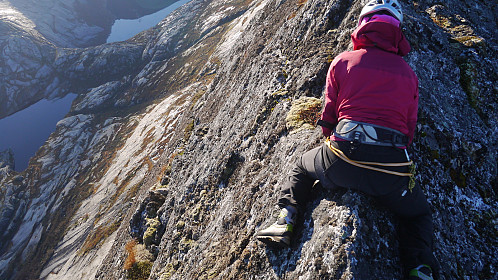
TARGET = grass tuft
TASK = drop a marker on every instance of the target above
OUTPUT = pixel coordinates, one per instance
(304, 113)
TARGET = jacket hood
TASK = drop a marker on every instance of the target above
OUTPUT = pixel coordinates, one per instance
(381, 35)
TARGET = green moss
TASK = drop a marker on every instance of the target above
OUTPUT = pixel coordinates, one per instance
(280, 93)
(304, 113)
(460, 31)
(470, 40)
(212, 274)
(284, 73)
(150, 233)
(468, 81)
(168, 271)
(442, 21)
(196, 98)
(185, 245)
(197, 213)
(188, 130)
(140, 271)
(180, 225)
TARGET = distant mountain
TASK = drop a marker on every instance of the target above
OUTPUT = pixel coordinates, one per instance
(172, 155)
(6, 161)
(34, 35)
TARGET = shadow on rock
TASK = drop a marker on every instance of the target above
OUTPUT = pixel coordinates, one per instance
(285, 260)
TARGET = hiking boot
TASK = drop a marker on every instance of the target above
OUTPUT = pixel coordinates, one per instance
(279, 234)
(423, 272)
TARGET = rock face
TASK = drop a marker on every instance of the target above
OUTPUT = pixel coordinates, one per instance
(7, 163)
(6, 159)
(171, 157)
(67, 23)
(81, 23)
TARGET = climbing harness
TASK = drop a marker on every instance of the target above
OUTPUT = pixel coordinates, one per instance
(360, 132)
(371, 165)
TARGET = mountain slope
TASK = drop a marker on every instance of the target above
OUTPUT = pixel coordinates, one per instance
(171, 163)
(34, 35)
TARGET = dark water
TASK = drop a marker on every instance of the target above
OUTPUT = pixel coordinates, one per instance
(124, 29)
(26, 131)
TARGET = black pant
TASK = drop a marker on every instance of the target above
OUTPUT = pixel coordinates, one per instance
(415, 228)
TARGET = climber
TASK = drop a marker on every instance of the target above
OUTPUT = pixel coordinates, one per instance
(369, 118)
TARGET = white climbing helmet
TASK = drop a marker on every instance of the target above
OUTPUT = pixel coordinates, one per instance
(391, 6)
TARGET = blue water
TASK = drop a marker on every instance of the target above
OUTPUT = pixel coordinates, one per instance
(124, 29)
(26, 131)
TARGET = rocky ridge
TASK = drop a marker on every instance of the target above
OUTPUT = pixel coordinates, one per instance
(167, 167)
(33, 47)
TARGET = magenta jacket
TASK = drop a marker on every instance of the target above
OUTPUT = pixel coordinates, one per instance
(373, 83)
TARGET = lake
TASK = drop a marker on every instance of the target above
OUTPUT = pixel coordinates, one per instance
(27, 130)
(124, 29)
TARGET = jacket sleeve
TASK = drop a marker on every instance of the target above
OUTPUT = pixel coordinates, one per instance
(412, 115)
(329, 113)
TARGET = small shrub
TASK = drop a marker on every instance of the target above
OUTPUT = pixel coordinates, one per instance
(304, 113)
(470, 40)
(150, 233)
(130, 260)
(138, 264)
(140, 271)
(188, 130)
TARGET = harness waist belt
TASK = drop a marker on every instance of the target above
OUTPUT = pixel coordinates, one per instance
(361, 132)
(372, 165)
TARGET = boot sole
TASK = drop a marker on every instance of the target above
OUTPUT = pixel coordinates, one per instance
(275, 241)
